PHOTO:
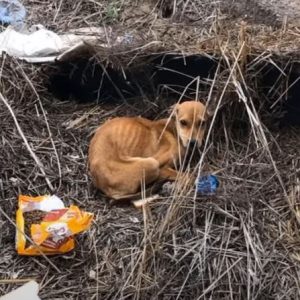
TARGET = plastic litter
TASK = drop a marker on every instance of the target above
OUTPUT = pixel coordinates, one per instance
(38, 45)
(11, 12)
(28, 291)
(207, 185)
(49, 224)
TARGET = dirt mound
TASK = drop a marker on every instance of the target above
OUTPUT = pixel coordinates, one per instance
(271, 13)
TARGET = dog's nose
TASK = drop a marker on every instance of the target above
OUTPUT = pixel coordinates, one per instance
(192, 143)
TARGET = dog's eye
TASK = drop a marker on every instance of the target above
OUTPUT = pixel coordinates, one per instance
(183, 123)
(200, 123)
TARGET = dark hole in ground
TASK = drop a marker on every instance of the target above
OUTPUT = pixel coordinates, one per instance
(281, 87)
(85, 80)
(169, 76)
(166, 8)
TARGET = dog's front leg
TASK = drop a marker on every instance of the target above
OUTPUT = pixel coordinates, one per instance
(165, 158)
(184, 180)
(168, 173)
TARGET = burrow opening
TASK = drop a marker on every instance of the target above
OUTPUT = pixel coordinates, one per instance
(273, 87)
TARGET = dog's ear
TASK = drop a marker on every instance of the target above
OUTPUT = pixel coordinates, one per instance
(211, 106)
(173, 109)
(209, 112)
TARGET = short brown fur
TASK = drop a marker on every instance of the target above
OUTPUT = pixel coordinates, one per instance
(125, 152)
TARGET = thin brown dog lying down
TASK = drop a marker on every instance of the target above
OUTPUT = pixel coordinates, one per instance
(125, 152)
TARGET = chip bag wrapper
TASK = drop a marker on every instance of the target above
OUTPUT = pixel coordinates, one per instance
(49, 224)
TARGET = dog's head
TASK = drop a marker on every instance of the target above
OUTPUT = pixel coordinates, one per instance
(191, 118)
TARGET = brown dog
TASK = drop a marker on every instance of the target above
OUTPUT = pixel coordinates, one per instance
(128, 152)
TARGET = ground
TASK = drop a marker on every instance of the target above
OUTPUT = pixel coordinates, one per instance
(241, 243)
(266, 12)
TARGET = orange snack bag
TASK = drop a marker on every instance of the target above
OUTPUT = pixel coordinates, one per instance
(49, 224)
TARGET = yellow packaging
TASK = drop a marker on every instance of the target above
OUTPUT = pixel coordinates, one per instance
(55, 230)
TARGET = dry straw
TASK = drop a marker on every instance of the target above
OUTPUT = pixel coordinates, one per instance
(242, 243)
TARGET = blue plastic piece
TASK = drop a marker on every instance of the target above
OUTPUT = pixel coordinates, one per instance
(11, 12)
(207, 185)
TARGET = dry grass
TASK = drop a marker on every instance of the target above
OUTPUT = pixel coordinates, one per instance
(241, 243)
